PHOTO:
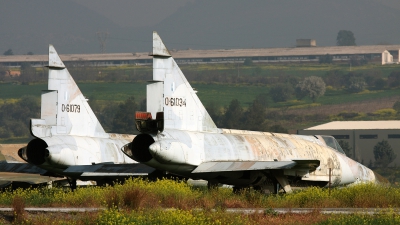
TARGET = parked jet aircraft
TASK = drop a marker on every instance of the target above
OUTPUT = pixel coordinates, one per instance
(70, 140)
(183, 140)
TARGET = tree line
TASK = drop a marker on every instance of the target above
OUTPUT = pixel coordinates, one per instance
(120, 118)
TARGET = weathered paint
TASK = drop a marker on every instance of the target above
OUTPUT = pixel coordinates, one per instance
(254, 151)
(191, 145)
(68, 134)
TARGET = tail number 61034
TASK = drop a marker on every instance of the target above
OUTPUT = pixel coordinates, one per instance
(181, 102)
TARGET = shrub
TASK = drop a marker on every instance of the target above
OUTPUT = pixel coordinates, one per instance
(356, 84)
(396, 106)
(385, 113)
(134, 198)
(313, 87)
(112, 199)
(18, 205)
(348, 115)
(380, 84)
(281, 92)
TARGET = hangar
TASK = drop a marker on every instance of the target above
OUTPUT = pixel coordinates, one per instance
(362, 136)
(268, 55)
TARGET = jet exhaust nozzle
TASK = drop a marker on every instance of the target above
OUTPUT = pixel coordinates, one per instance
(35, 152)
(138, 149)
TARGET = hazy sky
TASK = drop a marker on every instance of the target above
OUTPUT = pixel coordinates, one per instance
(73, 25)
(138, 13)
(134, 13)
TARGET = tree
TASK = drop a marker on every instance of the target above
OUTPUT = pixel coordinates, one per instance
(8, 52)
(380, 84)
(346, 148)
(356, 84)
(14, 117)
(28, 73)
(262, 99)
(30, 53)
(334, 78)
(215, 113)
(313, 87)
(248, 62)
(325, 59)
(255, 117)
(394, 79)
(383, 154)
(233, 115)
(281, 92)
(358, 60)
(396, 106)
(345, 38)
(124, 119)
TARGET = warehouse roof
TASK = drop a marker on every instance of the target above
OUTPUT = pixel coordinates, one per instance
(216, 53)
(358, 125)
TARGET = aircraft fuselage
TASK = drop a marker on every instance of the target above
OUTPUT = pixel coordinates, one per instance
(209, 156)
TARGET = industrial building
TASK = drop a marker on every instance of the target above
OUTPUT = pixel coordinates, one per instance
(312, 53)
(362, 136)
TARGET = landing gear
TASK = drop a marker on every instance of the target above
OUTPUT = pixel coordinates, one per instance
(72, 183)
(282, 181)
(212, 184)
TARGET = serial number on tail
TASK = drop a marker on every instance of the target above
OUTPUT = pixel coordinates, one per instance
(181, 102)
(71, 108)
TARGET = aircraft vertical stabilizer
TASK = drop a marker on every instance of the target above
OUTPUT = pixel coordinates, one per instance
(64, 109)
(172, 94)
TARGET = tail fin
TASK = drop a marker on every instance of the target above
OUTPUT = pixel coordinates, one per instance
(64, 110)
(172, 94)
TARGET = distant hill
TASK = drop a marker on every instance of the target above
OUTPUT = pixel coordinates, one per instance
(204, 24)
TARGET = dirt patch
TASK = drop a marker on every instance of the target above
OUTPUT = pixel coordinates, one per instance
(9, 152)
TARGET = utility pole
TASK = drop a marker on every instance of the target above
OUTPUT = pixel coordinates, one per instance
(102, 37)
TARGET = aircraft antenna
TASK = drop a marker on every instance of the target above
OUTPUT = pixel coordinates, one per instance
(102, 37)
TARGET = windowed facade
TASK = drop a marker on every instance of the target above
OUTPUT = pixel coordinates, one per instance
(393, 136)
(368, 136)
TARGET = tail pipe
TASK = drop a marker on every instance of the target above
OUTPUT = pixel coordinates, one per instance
(35, 152)
(138, 149)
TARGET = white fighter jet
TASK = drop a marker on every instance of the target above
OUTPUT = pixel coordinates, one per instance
(70, 140)
(179, 136)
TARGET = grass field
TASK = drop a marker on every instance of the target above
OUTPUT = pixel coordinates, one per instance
(100, 90)
(121, 91)
(142, 202)
(221, 94)
(295, 69)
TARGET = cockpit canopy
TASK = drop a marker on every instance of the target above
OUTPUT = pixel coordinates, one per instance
(331, 142)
